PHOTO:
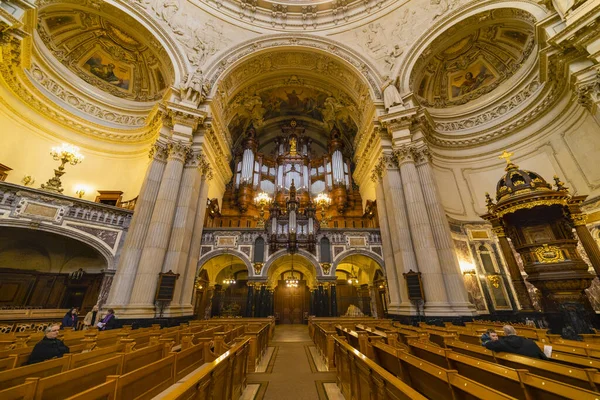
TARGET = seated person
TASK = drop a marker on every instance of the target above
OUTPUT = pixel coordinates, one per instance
(109, 321)
(511, 343)
(488, 336)
(353, 311)
(49, 347)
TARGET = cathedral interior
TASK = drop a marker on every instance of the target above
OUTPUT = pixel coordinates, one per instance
(362, 185)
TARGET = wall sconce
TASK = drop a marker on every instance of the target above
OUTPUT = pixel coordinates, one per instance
(467, 268)
(80, 191)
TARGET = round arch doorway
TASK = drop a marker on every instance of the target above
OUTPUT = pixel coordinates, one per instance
(292, 276)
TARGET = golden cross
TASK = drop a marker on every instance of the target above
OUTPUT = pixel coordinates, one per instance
(506, 156)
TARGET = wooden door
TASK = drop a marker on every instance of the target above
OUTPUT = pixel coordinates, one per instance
(291, 303)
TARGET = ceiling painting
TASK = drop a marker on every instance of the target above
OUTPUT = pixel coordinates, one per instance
(111, 52)
(473, 58)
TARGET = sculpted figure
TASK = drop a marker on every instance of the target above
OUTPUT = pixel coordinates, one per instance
(194, 90)
(391, 96)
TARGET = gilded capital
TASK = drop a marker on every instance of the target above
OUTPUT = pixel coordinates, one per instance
(159, 151)
(179, 151)
(404, 154)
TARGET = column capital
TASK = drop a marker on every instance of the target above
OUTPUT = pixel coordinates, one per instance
(179, 151)
(421, 154)
(385, 162)
(405, 154)
(159, 151)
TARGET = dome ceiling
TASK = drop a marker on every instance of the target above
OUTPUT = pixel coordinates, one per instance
(473, 57)
(270, 90)
(114, 53)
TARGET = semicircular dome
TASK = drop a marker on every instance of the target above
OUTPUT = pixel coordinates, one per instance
(518, 181)
(473, 57)
(109, 50)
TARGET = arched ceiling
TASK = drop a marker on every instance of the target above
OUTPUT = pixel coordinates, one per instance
(109, 50)
(473, 57)
(270, 89)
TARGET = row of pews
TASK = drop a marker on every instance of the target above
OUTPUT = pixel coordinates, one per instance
(438, 363)
(200, 359)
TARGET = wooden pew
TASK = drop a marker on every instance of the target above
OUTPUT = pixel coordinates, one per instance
(146, 382)
(221, 379)
(63, 385)
(25, 391)
(105, 391)
(17, 376)
(188, 360)
(139, 358)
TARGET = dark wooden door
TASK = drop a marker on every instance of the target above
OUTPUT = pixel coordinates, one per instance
(291, 303)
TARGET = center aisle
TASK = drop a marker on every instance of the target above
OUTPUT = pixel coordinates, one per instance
(292, 373)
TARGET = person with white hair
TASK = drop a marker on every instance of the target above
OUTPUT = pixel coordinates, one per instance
(511, 343)
(49, 347)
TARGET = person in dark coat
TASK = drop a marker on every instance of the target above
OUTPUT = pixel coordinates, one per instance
(488, 336)
(511, 343)
(70, 319)
(49, 347)
(109, 321)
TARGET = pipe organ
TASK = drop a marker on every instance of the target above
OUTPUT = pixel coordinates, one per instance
(292, 160)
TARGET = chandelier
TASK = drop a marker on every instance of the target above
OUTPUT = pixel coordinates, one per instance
(261, 200)
(66, 154)
(229, 279)
(323, 200)
(292, 281)
(352, 279)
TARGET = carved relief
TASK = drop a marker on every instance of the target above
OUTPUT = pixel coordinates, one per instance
(107, 236)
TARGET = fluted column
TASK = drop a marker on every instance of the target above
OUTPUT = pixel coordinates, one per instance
(188, 277)
(587, 240)
(151, 261)
(436, 296)
(388, 252)
(404, 259)
(453, 278)
(138, 229)
(181, 233)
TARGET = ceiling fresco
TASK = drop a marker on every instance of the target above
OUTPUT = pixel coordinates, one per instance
(113, 52)
(473, 58)
(318, 107)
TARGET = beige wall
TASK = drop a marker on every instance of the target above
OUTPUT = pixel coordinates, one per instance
(26, 143)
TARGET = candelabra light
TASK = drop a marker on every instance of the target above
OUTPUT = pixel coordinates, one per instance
(353, 279)
(65, 154)
(323, 200)
(292, 281)
(230, 279)
(80, 191)
(261, 200)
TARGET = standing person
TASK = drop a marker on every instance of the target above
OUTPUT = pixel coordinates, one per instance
(109, 321)
(511, 343)
(91, 318)
(49, 347)
(70, 319)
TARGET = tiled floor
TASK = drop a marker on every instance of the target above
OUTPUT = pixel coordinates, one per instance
(297, 374)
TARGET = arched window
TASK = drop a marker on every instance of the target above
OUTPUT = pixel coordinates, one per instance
(259, 250)
(486, 256)
(325, 250)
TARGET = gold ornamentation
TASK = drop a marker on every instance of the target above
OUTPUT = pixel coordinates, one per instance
(529, 205)
(494, 280)
(326, 267)
(579, 219)
(506, 155)
(549, 254)
(257, 267)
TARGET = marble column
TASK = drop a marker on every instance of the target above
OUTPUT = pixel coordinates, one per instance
(453, 277)
(105, 286)
(388, 253)
(141, 304)
(181, 232)
(399, 233)
(436, 296)
(587, 240)
(334, 312)
(188, 277)
(134, 241)
(250, 300)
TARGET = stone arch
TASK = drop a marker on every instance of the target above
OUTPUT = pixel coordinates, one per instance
(220, 252)
(283, 252)
(405, 65)
(369, 254)
(238, 54)
(96, 244)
